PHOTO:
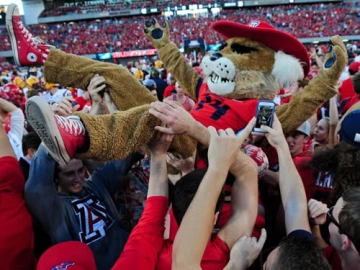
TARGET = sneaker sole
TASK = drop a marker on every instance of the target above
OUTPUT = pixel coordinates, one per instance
(10, 29)
(41, 119)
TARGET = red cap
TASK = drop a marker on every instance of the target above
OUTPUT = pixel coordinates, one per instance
(72, 255)
(266, 34)
(354, 66)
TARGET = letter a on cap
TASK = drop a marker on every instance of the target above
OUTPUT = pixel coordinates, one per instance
(254, 23)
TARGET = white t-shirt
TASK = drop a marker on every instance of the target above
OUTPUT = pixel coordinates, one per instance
(55, 98)
(16, 132)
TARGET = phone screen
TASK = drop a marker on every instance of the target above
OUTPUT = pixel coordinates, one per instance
(264, 116)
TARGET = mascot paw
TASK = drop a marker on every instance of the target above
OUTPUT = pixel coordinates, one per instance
(336, 60)
(159, 36)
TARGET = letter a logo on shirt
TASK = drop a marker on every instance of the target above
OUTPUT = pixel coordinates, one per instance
(93, 218)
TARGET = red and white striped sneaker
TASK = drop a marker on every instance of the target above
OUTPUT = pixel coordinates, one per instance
(27, 49)
(62, 136)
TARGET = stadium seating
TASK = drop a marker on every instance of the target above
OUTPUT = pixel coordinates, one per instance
(124, 34)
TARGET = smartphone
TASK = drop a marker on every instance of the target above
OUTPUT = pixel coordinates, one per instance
(264, 114)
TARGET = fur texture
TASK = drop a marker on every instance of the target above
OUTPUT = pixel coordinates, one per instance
(287, 70)
(114, 136)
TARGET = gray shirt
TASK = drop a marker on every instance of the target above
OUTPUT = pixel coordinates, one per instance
(90, 216)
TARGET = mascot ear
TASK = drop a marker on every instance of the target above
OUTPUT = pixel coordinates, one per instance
(287, 70)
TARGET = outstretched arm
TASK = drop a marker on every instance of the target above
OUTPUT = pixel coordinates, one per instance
(159, 183)
(179, 121)
(172, 58)
(320, 89)
(291, 186)
(192, 237)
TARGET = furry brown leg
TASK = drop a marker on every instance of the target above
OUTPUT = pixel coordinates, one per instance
(117, 135)
(76, 71)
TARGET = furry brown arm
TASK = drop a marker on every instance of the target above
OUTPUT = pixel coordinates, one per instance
(175, 62)
(320, 89)
(170, 55)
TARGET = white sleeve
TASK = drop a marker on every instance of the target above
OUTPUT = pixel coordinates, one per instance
(17, 123)
(68, 93)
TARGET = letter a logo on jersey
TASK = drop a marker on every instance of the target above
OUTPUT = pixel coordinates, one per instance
(93, 218)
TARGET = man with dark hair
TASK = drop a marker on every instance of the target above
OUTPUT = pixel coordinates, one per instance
(344, 225)
(70, 208)
(185, 190)
(189, 192)
(30, 144)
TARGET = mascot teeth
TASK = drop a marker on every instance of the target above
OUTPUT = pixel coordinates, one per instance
(217, 79)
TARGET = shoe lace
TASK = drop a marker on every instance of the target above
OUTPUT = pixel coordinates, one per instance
(71, 125)
(34, 41)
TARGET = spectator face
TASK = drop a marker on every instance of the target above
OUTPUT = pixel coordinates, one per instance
(172, 80)
(296, 142)
(153, 92)
(321, 132)
(335, 237)
(179, 90)
(71, 178)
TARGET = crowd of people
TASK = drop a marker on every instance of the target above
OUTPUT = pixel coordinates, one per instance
(125, 34)
(100, 6)
(286, 201)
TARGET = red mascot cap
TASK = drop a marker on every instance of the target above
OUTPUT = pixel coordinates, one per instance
(266, 34)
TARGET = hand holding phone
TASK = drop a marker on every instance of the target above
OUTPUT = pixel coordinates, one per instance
(264, 115)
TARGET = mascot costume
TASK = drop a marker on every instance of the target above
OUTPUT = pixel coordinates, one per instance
(254, 63)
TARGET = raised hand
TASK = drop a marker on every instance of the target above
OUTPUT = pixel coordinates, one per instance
(317, 212)
(245, 251)
(96, 85)
(65, 107)
(176, 118)
(158, 35)
(160, 146)
(275, 135)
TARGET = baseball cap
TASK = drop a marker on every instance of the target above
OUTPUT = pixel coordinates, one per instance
(354, 66)
(349, 128)
(149, 82)
(72, 255)
(304, 128)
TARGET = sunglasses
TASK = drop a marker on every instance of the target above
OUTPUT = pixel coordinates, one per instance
(330, 218)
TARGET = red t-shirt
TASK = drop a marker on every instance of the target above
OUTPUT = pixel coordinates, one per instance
(346, 90)
(332, 257)
(220, 112)
(16, 237)
(146, 239)
(168, 90)
(306, 174)
(216, 254)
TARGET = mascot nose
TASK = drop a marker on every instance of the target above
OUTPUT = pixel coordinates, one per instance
(215, 56)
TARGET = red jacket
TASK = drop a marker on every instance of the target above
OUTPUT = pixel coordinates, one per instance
(346, 90)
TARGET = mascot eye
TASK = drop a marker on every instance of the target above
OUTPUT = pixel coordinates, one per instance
(240, 49)
(222, 46)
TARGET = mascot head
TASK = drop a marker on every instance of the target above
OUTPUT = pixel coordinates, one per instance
(255, 62)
